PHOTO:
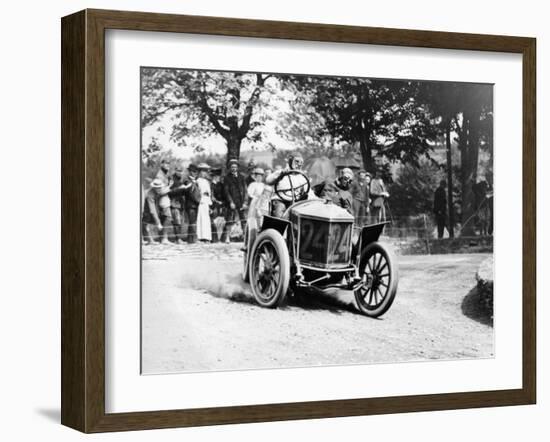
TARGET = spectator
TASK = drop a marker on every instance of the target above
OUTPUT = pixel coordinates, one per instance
(440, 208)
(192, 200)
(250, 177)
(378, 194)
(490, 192)
(162, 173)
(177, 203)
(483, 206)
(255, 191)
(204, 225)
(216, 209)
(360, 190)
(235, 198)
(149, 216)
(156, 211)
(338, 191)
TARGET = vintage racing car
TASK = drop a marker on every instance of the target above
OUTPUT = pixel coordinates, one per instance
(315, 246)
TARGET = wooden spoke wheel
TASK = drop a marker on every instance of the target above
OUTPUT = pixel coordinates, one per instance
(380, 277)
(269, 270)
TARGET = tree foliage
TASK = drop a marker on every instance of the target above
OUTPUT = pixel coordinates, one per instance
(392, 124)
(199, 104)
(384, 118)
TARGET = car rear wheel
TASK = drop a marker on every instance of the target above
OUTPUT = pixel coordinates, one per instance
(269, 270)
(380, 277)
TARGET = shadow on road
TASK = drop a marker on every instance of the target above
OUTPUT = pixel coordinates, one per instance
(320, 301)
(235, 290)
(472, 308)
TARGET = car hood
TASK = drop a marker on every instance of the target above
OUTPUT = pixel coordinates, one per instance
(321, 209)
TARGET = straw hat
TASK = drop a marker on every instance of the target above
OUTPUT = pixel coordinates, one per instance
(157, 183)
(203, 166)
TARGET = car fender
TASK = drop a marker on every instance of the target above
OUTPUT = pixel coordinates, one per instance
(271, 222)
(368, 235)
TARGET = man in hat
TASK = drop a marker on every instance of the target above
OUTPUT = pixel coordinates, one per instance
(235, 198)
(250, 177)
(379, 194)
(440, 208)
(192, 201)
(217, 203)
(360, 190)
(295, 162)
(156, 211)
(177, 203)
(338, 191)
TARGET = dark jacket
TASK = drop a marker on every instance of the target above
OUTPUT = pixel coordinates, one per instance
(440, 201)
(377, 189)
(177, 196)
(191, 196)
(360, 192)
(339, 196)
(235, 190)
(249, 179)
(217, 193)
(480, 189)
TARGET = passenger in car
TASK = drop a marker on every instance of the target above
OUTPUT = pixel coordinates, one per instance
(338, 191)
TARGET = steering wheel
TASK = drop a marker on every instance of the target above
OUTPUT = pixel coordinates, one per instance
(293, 190)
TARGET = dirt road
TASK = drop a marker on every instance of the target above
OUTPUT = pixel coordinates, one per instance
(198, 315)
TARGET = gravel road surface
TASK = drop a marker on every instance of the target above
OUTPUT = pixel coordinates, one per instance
(197, 315)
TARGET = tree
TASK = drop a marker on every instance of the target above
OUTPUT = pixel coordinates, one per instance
(442, 99)
(412, 192)
(474, 128)
(202, 103)
(382, 117)
(463, 113)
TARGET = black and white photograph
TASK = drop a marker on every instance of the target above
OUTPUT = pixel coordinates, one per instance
(292, 220)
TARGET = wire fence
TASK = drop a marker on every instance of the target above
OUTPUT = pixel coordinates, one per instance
(402, 228)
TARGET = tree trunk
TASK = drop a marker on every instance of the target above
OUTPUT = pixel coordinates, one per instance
(469, 159)
(366, 151)
(233, 147)
(449, 179)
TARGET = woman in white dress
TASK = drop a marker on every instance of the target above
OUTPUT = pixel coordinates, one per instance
(204, 225)
(259, 205)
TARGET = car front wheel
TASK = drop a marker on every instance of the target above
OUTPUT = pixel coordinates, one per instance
(269, 270)
(378, 269)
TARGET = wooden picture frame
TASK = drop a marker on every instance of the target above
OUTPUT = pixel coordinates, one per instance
(83, 220)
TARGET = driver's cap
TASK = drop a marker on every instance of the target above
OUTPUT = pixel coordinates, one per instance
(347, 172)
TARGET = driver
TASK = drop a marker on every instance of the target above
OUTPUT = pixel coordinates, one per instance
(278, 206)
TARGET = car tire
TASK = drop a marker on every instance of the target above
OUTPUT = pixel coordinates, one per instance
(379, 267)
(269, 269)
